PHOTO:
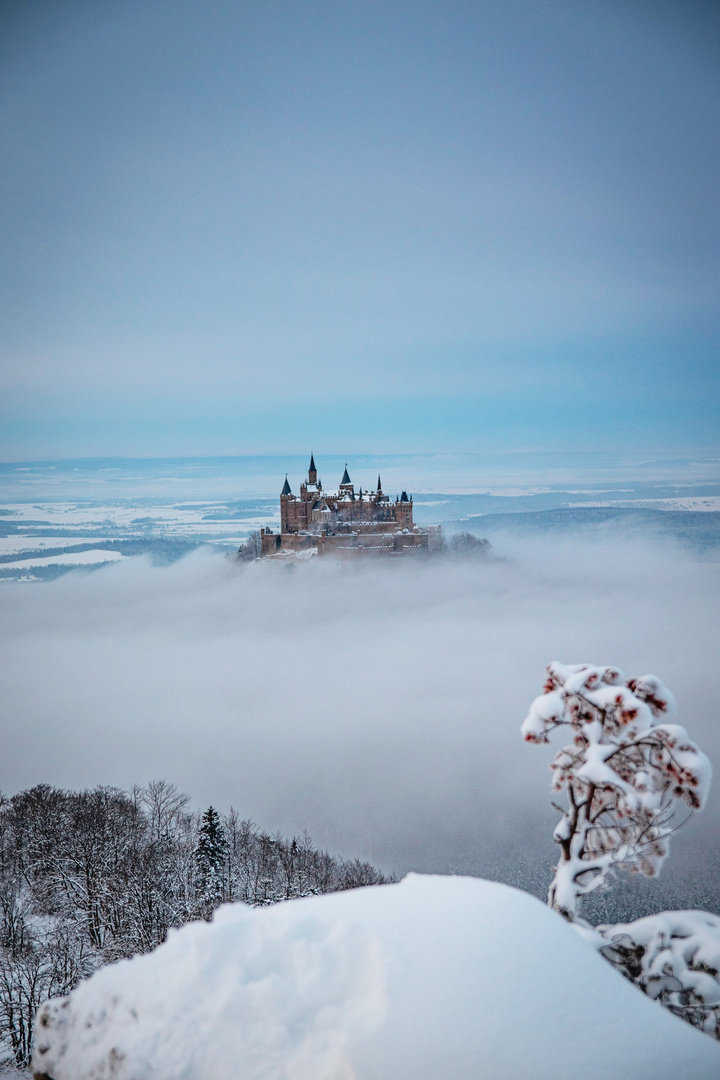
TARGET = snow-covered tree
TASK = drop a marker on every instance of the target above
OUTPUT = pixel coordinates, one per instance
(210, 859)
(89, 877)
(626, 773)
(251, 548)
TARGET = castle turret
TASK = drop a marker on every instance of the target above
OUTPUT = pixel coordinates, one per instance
(404, 511)
(312, 471)
(288, 510)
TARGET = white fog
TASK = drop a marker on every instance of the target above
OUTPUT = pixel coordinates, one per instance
(377, 707)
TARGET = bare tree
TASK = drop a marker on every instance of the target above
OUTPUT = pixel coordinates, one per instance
(251, 548)
(166, 809)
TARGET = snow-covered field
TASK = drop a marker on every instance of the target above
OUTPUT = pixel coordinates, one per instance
(704, 504)
(35, 531)
(76, 558)
(134, 519)
(31, 545)
(436, 978)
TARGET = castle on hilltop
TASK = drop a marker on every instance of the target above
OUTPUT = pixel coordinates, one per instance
(345, 522)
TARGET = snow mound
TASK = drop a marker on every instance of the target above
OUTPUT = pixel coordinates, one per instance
(437, 978)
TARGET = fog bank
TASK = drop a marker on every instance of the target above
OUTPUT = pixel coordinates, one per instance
(376, 706)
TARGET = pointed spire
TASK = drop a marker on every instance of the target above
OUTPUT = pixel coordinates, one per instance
(346, 477)
(286, 487)
(379, 487)
(312, 471)
(312, 463)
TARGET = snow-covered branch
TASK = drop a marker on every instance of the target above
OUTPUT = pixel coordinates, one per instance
(626, 773)
(674, 957)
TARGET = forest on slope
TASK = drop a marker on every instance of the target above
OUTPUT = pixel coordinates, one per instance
(94, 876)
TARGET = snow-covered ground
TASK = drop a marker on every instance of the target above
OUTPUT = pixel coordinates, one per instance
(706, 503)
(75, 558)
(135, 518)
(33, 531)
(436, 978)
(32, 545)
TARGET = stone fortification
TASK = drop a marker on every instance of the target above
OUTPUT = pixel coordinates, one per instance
(345, 522)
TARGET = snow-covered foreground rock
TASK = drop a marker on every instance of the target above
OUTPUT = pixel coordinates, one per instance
(437, 978)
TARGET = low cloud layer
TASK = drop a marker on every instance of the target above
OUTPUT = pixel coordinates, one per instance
(378, 707)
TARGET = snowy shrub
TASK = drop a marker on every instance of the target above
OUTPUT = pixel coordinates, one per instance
(626, 774)
(675, 958)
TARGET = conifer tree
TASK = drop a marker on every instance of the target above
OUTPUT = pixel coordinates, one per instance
(210, 858)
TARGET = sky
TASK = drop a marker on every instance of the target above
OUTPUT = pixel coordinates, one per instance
(251, 227)
(376, 706)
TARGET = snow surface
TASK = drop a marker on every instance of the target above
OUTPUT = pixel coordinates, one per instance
(29, 544)
(73, 558)
(436, 978)
(702, 503)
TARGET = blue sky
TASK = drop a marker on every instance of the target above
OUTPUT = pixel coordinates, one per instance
(262, 226)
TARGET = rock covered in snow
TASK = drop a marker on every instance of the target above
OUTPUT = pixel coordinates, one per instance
(431, 979)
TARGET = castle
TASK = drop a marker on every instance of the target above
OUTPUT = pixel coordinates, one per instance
(345, 522)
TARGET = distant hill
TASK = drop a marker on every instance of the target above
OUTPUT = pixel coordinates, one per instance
(698, 529)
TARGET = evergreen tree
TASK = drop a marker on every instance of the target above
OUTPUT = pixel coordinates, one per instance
(210, 859)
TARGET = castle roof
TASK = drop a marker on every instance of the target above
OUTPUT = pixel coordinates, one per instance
(312, 463)
(286, 488)
(346, 478)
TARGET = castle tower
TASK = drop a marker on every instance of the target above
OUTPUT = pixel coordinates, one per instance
(312, 471)
(286, 499)
(404, 511)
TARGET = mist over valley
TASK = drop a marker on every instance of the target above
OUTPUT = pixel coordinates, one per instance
(375, 706)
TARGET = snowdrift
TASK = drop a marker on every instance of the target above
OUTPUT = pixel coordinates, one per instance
(436, 978)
